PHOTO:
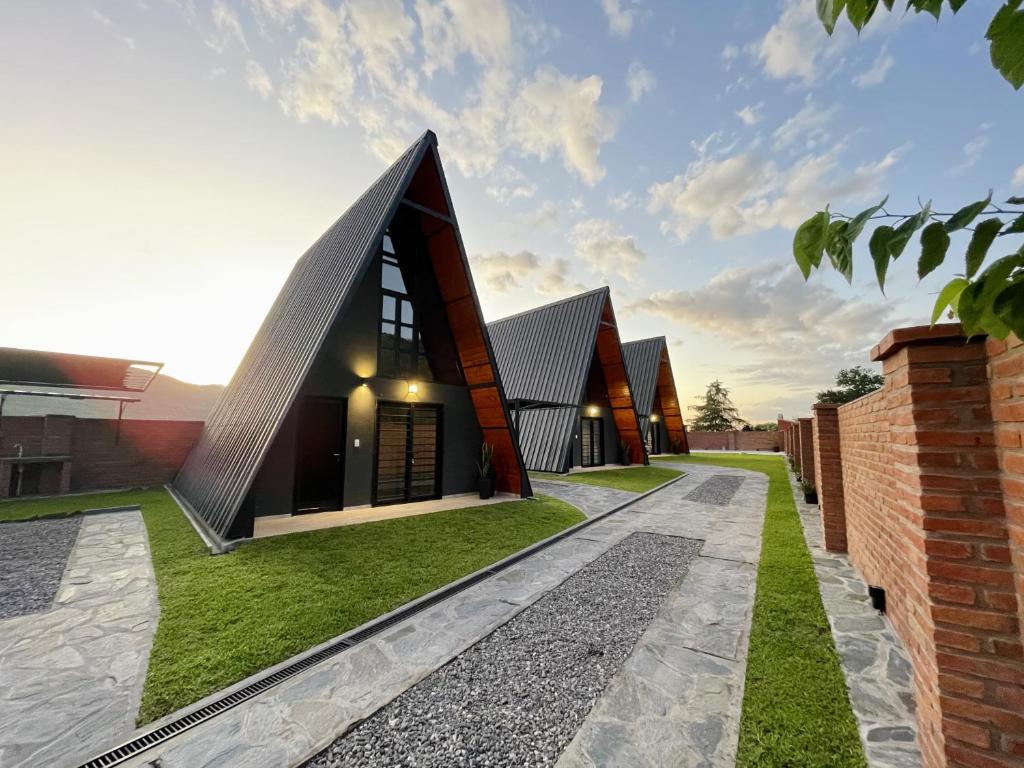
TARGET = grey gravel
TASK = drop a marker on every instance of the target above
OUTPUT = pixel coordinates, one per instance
(518, 696)
(717, 489)
(32, 559)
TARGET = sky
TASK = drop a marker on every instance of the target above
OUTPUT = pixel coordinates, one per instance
(163, 164)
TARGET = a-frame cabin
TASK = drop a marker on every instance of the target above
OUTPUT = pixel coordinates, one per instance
(654, 390)
(371, 381)
(566, 380)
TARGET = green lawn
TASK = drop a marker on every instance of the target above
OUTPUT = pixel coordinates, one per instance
(223, 618)
(796, 711)
(27, 509)
(637, 479)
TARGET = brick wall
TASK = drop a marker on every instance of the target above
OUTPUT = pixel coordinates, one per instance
(145, 453)
(735, 440)
(806, 430)
(829, 476)
(930, 480)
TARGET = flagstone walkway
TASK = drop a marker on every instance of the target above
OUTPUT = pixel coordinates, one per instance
(71, 677)
(680, 691)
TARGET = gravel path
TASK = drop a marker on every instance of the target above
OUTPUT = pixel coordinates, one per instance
(717, 489)
(518, 696)
(32, 559)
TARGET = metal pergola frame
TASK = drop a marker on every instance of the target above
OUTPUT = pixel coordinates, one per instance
(121, 402)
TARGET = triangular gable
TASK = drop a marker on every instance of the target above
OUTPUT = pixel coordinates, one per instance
(650, 373)
(221, 468)
(544, 356)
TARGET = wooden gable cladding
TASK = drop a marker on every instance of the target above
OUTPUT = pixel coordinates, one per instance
(427, 199)
(620, 396)
(671, 412)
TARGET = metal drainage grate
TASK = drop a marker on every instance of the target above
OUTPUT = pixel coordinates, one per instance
(152, 738)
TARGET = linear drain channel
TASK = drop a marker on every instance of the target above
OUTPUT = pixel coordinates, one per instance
(163, 733)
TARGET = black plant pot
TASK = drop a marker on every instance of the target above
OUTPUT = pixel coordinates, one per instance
(487, 487)
(811, 497)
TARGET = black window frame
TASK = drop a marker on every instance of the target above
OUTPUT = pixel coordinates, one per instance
(419, 367)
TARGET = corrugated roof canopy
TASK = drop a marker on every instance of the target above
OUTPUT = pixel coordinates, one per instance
(33, 367)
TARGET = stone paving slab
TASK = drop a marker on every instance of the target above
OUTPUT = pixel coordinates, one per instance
(71, 678)
(33, 555)
(591, 500)
(300, 717)
(875, 664)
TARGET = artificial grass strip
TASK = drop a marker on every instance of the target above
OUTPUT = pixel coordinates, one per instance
(638, 480)
(223, 618)
(796, 710)
(12, 510)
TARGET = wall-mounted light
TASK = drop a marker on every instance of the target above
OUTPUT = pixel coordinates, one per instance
(654, 417)
(413, 388)
(364, 384)
(592, 410)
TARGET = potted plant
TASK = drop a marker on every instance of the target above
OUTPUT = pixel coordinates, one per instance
(810, 492)
(624, 458)
(486, 469)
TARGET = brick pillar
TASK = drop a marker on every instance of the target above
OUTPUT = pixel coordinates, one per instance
(959, 614)
(828, 471)
(806, 450)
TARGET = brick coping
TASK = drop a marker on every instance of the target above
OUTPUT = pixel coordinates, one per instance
(899, 338)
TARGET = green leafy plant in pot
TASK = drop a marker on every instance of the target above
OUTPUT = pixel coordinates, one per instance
(624, 457)
(486, 468)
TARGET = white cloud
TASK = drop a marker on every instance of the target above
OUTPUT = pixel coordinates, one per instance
(796, 46)
(555, 280)
(639, 81)
(481, 28)
(1018, 178)
(877, 72)
(786, 323)
(807, 126)
(729, 54)
(620, 20)
(621, 202)
(383, 34)
(504, 194)
(554, 112)
(973, 149)
(101, 18)
(599, 245)
(228, 28)
(746, 192)
(751, 114)
(502, 271)
(258, 80)
(321, 78)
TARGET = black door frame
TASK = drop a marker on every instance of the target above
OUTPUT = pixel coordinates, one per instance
(599, 422)
(343, 431)
(438, 453)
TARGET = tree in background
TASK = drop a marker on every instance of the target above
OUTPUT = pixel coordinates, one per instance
(852, 383)
(715, 411)
(985, 301)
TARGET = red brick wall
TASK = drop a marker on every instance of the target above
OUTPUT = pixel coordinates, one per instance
(1006, 388)
(806, 427)
(828, 473)
(147, 452)
(923, 499)
(736, 440)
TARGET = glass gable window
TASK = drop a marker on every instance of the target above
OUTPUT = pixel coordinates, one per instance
(400, 352)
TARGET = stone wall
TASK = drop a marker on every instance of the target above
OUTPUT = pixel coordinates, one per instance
(102, 456)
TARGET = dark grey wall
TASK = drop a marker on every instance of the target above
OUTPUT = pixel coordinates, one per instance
(347, 359)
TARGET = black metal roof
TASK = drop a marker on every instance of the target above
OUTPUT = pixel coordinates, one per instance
(33, 367)
(221, 468)
(643, 359)
(544, 354)
(545, 435)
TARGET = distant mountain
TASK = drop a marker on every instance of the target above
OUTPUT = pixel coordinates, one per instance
(167, 399)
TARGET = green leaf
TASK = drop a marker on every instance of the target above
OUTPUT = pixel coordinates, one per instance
(860, 11)
(981, 240)
(828, 12)
(809, 242)
(976, 306)
(1015, 201)
(967, 214)
(857, 222)
(906, 230)
(934, 7)
(1009, 307)
(1006, 33)
(956, 5)
(934, 244)
(949, 295)
(840, 249)
(1017, 225)
(879, 247)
